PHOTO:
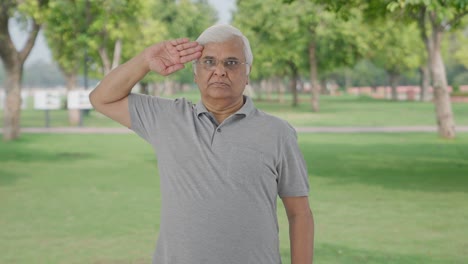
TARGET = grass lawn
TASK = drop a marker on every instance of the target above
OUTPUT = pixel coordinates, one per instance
(335, 111)
(377, 198)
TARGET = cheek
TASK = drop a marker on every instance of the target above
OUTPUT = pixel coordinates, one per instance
(198, 78)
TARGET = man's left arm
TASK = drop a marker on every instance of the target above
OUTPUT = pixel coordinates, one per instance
(301, 229)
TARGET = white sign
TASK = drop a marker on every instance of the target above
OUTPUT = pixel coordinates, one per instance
(24, 99)
(47, 100)
(79, 99)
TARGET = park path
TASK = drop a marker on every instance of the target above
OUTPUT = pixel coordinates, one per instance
(351, 129)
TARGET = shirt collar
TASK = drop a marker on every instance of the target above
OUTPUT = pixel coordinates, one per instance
(245, 110)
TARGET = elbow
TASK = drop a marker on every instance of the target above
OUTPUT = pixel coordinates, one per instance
(94, 100)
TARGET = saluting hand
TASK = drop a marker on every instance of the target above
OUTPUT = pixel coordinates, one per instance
(169, 56)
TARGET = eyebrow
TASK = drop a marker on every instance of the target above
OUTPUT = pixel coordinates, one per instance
(228, 58)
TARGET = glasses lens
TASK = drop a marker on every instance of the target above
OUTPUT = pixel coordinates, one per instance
(231, 64)
(211, 64)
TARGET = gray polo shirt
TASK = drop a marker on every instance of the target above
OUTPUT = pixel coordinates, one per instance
(219, 182)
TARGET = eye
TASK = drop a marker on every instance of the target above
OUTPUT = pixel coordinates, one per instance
(231, 63)
(209, 62)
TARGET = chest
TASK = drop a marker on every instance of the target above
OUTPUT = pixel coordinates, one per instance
(208, 157)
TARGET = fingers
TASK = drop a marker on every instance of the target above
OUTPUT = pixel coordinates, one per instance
(185, 46)
(187, 50)
(190, 57)
(190, 50)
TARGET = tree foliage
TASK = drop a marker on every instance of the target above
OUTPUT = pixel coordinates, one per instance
(303, 35)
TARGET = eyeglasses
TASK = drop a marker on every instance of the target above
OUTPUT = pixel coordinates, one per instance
(210, 64)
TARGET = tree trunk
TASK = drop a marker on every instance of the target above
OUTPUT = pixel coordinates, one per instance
(425, 82)
(13, 61)
(270, 86)
(168, 87)
(393, 79)
(106, 63)
(117, 53)
(293, 82)
(315, 87)
(73, 114)
(144, 88)
(12, 110)
(348, 79)
(281, 90)
(443, 105)
(157, 89)
(323, 87)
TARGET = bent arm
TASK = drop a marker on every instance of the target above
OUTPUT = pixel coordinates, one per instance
(301, 229)
(111, 95)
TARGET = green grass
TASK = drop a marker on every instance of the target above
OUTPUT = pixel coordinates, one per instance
(335, 111)
(376, 198)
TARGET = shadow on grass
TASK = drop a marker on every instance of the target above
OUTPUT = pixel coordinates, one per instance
(125, 261)
(16, 155)
(330, 253)
(9, 177)
(17, 159)
(402, 166)
(40, 156)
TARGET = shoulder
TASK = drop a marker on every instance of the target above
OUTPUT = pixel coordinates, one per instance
(162, 104)
(274, 124)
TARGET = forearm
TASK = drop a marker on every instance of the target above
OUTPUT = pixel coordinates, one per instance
(119, 82)
(301, 235)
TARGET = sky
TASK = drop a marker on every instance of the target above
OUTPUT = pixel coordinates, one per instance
(42, 52)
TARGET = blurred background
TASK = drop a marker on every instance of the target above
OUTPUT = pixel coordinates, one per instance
(377, 90)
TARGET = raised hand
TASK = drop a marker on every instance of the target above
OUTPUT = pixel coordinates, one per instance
(169, 56)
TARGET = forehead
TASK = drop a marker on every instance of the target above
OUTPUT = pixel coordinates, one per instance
(232, 47)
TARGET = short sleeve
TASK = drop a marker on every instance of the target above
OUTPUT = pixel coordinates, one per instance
(293, 179)
(145, 113)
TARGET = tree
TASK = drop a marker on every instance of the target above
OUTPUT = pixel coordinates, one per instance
(303, 35)
(434, 19)
(461, 53)
(65, 33)
(101, 29)
(395, 47)
(109, 25)
(275, 38)
(31, 13)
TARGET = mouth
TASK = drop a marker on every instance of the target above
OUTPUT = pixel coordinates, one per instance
(219, 84)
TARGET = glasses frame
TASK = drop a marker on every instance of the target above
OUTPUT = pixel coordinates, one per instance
(217, 61)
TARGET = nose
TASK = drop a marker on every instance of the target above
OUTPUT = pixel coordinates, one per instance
(219, 69)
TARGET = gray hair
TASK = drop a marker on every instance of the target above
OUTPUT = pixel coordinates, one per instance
(221, 33)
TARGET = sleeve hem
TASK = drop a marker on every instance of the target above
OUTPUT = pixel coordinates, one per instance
(293, 194)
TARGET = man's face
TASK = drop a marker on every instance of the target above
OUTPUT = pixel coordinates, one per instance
(217, 76)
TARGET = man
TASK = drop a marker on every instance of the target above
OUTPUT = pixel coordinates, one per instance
(222, 162)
